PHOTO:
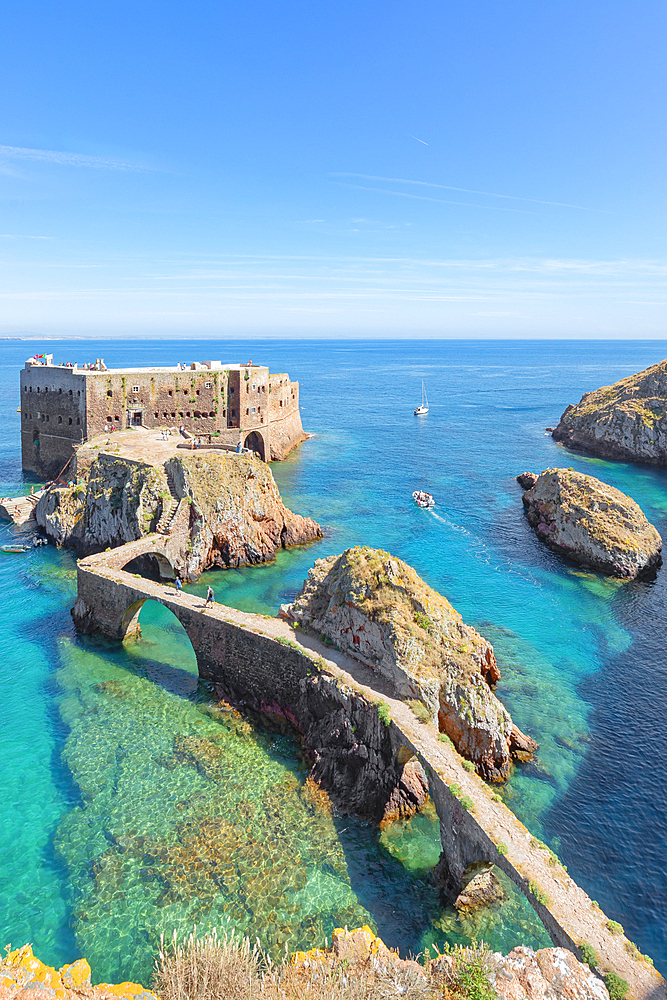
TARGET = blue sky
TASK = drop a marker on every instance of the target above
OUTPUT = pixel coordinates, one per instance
(351, 169)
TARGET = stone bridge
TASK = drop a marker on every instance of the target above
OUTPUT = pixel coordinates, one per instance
(332, 699)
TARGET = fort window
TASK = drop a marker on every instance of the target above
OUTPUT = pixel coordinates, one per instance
(254, 388)
(60, 420)
(157, 415)
(109, 392)
(70, 420)
(207, 385)
(197, 391)
(247, 411)
(180, 413)
(46, 388)
(47, 418)
(252, 409)
(224, 413)
(60, 391)
(70, 392)
(135, 388)
(30, 388)
(78, 420)
(281, 402)
(171, 392)
(37, 388)
(187, 413)
(212, 413)
(108, 420)
(173, 414)
(197, 414)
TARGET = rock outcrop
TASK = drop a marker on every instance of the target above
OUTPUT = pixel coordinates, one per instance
(22, 975)
(547, 974)
(236, 514)
(591, 523)
(626, 420)
(378, 609)
(116, 500)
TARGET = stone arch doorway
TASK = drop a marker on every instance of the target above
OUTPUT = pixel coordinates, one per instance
(255, 442)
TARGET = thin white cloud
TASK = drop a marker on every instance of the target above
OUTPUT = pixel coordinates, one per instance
(66, 159)
(22, 236)
(449, 187)
(423, 197)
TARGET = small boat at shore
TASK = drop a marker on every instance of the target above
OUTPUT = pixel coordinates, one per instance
(15, 548)
(423, 499)
(424, 403)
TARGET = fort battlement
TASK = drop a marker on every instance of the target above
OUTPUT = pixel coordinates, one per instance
(63, 405)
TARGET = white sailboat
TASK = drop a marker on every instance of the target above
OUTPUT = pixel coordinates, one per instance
(424, 405)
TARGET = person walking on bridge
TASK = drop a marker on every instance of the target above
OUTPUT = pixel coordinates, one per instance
(210, 598)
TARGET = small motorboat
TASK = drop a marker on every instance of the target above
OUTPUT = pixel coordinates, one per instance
(423, 499)
(14, 547)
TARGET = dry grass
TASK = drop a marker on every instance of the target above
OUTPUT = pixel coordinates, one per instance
(228, 968)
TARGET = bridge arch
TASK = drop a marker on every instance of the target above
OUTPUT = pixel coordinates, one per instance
(152, 566)
(255, 442)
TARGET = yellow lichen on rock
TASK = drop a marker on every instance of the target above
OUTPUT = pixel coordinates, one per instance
(23, 975)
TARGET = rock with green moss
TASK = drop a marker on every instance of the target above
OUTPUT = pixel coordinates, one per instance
(626, 420)
(591, 523)
(114, 501)
(237, 516)
(233, 512)
(377, 608)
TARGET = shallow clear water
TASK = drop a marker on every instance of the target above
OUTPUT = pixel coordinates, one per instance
(132, 807)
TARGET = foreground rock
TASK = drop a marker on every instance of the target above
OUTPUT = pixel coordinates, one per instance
(236, 514)
(377, 608)
(546, 974)
(23, 975)
(591, 523)
(627, 420)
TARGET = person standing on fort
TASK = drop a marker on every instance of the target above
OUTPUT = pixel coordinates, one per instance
(210, 598)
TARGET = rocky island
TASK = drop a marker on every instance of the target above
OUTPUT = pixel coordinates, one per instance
(378, 609)
(224, 508)
(591, 523)
(626, 420)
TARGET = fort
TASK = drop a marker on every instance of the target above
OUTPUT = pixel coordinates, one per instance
(64, 405)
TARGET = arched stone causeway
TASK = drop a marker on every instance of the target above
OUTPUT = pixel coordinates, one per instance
(267, 666)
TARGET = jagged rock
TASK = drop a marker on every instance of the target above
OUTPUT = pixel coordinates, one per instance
(22, 975)
(627, 420)
(548, 974)
(481, 887)
(527, 480)
(591, 523)
(236, 513)
(113, 502)
(377, 608)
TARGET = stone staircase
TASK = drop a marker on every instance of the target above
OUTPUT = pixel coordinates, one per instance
(170, 508)
(20, 509)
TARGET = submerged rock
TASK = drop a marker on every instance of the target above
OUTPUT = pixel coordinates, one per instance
(378, 609)
(527, 480)
(236, 514)
(481, 887)
(626, 420)
(591, 523)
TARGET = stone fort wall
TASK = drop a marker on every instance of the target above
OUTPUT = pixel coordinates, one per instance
(62, 407)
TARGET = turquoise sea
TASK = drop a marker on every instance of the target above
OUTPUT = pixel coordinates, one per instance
(132, 806)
